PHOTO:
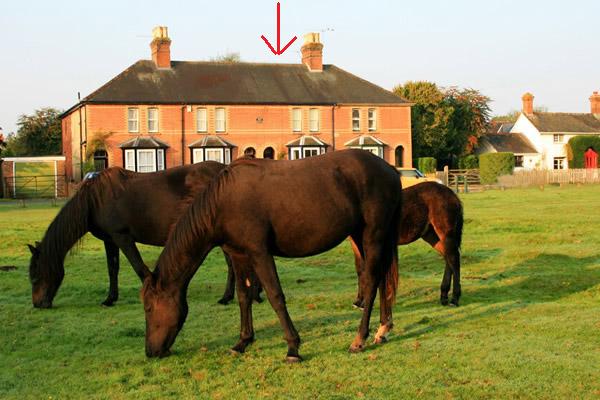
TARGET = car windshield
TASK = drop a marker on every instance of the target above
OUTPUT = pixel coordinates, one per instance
(411, 173)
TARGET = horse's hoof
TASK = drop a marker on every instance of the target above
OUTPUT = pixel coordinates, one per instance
(108, 303)
(356, 348)
(235, 352)
(358, 305)
(293, 359)
(444, 301)
(224, 301)
(380, 340)
(453, 303)
(259, 300)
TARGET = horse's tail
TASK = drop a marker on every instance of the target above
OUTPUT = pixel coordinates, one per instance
(459, 224)
(391, 275)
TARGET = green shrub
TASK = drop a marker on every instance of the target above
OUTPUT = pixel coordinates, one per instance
(468, 162)
(426, 165)
(493, 165)
(578, 145)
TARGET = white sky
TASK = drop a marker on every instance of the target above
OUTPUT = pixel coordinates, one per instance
(52, 49)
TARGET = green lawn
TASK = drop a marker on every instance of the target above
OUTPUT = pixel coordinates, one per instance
(528, 327)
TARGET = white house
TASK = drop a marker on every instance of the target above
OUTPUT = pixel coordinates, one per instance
(526, 155)
(549, 132)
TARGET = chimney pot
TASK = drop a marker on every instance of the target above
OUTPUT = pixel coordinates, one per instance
(161, 47)
(528, 103)
(595, 104)
(312, 52)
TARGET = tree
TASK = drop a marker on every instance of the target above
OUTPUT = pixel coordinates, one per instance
(2, 143)
(445, 122)
(230, 57)
(39, 134)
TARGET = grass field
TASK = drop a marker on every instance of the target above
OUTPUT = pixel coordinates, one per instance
(528, 326)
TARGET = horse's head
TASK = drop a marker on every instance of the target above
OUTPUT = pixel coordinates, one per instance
(45, 280)
(166, 311)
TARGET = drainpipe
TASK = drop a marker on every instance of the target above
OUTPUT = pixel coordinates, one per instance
(80, 139)
(183, 135)
(333, 126)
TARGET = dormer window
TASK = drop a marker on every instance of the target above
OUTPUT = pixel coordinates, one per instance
(559, 138)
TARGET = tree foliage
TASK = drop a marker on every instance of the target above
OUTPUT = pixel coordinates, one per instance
(39, 134)
(446, 122)
(231, 57)
(493, 165)
(2, 143)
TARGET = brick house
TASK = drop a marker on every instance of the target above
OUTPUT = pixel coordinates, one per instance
(161, 113)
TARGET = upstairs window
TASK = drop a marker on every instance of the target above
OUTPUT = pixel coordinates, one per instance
(560, 138)
(153, 120)
(201, 120)
(220, 120)
(355, 120)
(297, 120)
(314, 117)
(133, 119)
(372, 120)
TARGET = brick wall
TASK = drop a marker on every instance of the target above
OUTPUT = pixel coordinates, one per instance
(246, 126)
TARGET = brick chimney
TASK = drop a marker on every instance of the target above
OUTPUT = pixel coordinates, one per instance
(595, 104)
(312, 52)
(161, 47)
(527, 104)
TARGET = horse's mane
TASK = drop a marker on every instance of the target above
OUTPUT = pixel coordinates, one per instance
(72, 221)
(194, 228)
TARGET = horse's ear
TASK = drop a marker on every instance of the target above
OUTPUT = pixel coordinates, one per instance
(34, 251)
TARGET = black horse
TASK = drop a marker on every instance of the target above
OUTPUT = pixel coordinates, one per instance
(121, 208)
(314, 205)
(434, 213)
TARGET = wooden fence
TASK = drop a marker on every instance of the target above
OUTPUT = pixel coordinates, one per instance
(460, 180)
(548, 176)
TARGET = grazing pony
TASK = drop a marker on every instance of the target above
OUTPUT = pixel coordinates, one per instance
(121, 208)
(256, 209)
(434, 213)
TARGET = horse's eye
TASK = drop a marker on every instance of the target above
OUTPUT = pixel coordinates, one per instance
(147, 307)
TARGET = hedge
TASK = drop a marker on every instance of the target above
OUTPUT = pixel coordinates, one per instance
(578, 146)
(468, 162)
(426, 165)
(493, 165)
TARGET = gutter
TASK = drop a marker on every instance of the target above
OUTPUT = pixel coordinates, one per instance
(333, 126)
(183, 134)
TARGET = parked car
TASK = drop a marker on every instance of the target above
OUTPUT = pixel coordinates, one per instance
(412, 176)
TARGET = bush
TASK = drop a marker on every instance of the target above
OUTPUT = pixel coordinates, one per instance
(426, 165)
(469, 162)
(578, 145)
(493, 165)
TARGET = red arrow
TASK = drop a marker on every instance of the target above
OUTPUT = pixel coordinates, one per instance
(279, 50)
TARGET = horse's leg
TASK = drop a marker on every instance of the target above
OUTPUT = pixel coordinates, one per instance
(242, 274)
(453, 263)
(128, 247)
(112, 260)
(439, 245)
(358, 265)
(230, 285)
(386, 300)
(370, 279)
(264, 266)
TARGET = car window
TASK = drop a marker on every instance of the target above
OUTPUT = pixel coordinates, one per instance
(409, 173)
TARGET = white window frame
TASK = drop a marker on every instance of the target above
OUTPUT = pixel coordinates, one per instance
(215, 150)
(152, 165)
(197, 155)
(372, 118)
(130, 159)
(355, 120)
(558, 138)
(377, 150)
(160, 159)
(296, 119)
(133, 119)
(299, 152)
(201, 124)
(218, 121)
(154, 119)
(314, 115)
(200, 154)
(560, 161)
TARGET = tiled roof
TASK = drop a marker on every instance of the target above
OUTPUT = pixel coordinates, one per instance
(565, 122)
(307, 140)
(364, 140)
(509, 142)
(238, 83)
(144, 142)
(211, 141)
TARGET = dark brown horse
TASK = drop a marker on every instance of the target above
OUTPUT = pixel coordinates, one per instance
(311, 206)
(434, 213)
(121, 208)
